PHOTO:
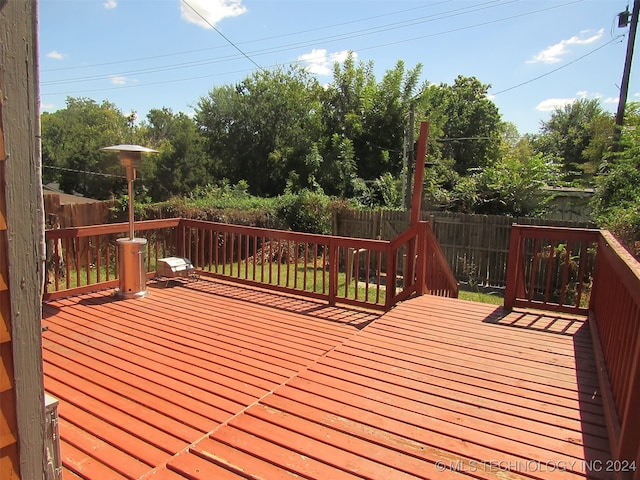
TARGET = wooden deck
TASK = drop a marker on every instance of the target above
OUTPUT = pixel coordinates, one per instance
(209, 380)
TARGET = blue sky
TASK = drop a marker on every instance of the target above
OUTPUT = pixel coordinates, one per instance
(145, 54)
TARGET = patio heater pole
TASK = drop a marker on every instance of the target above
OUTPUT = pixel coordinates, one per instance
(132, 277)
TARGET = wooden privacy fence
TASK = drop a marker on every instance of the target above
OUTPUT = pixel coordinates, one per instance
(475, 246)
(66, 215)
(371, 273)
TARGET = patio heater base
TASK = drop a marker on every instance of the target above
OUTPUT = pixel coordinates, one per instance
(132, 272)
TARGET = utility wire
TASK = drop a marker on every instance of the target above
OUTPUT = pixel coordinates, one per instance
(560, 67)
(222, 35)
(83, 171)
(312, 42)
(306, 43)
(260, 40)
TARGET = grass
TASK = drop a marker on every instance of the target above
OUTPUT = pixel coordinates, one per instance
(283, 275)
(492, 298)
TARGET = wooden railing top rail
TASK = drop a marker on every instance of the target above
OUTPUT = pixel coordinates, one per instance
(110, 228)
(289, 235)
(557, 233)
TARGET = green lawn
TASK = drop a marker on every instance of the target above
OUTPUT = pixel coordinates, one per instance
(288, 276)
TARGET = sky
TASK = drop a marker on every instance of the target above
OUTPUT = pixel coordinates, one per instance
(537, 55)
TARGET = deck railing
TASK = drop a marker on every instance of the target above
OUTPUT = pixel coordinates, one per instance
(370, 273)
(587, 271)
(615, 326)
(551, 268)
(83, 259)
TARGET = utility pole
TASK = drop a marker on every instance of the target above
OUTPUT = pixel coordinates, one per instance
(408, 175)
(624, 88)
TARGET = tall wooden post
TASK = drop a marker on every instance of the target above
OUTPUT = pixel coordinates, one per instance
(418, 178)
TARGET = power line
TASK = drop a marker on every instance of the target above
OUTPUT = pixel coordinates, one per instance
(260, 40)
(560, 67)
(222, 35)
(300, 45)
(333, 38)
(306, 43)
(83, 171)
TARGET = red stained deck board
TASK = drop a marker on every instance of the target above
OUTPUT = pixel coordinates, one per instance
(285, 457)
(81, 440)
(237, 461)
(414, 443)
(493, 414)
(563, 383)
(318, 391)
(449, 384)
(125, 399)
(244, 373)
(119, 420)
(478, 428)
(373, 460)
(194, 467)
(83, 466)
(135, 447)
(232, 328)
(174, 350)
(132, 324)
(153, 385)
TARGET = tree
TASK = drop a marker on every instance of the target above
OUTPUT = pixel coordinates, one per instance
(182, 163)
(517, 183)
(262, 129)
(71, 142)
(617, 198)
(578, 136)
(370, 115)
(464, 121)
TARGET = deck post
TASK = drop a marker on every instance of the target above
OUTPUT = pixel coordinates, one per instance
(513, 264)
(333, 273)
(421, 260)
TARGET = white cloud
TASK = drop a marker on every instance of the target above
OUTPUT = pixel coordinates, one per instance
(554, 53)
(612, 100)
(56, 55)
(550, 104)
(319, 62)
(212, 10)
(119, 80)
(47, 106)
(109, 4)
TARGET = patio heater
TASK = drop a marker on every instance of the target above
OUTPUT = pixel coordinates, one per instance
(132, 279)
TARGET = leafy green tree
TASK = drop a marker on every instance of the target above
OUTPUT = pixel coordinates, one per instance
(262, 129)
(616, 203)
(517, 183)
(71, 142)
(578, 136)
(464, 121)
(183, 163)
(370, 115)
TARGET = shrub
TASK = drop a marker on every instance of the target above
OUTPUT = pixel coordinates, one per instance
(306, 212)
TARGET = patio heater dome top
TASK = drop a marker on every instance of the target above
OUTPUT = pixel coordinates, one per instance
(129, 148)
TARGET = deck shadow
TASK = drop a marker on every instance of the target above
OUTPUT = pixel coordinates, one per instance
(355, 317)
(548, 322)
